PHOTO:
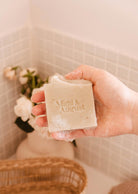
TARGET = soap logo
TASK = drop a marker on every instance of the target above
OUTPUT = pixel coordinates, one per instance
(70, 106)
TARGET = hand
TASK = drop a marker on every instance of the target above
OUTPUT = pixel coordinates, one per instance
(114, 103)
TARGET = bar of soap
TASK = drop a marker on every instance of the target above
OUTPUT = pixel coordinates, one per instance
(69, 104)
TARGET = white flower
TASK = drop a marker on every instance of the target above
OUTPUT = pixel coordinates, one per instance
(42, 131)
(10, 73)
(22, 79)
(23, 108)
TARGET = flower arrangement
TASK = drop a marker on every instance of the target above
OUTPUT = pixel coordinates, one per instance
(30, 81)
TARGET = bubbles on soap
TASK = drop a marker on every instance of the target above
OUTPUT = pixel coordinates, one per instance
(59, 123)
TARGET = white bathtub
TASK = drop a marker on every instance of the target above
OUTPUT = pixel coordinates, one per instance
(98, 183)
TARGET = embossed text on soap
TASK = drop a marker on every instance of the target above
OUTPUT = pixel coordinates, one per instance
(72, 105)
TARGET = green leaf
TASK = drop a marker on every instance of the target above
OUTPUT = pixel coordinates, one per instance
(24, 125)
(15, 68)
(32, 72)
(26, 75)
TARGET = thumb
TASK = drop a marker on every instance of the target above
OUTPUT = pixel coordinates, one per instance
(84, 72)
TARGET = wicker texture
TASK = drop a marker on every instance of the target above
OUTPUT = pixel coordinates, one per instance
(42, 175)
(129, 187)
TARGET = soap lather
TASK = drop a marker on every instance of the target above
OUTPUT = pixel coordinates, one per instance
(69, 104)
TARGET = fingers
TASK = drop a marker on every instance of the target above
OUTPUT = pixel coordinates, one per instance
(42, 121)
(38, 97)
(84, 72)
(39, 109)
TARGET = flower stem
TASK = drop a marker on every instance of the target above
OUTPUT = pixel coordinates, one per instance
(33, 82)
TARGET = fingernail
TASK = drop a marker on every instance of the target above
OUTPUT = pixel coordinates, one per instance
(74, 74)
(67, 75)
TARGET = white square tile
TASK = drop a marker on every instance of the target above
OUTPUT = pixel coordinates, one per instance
(58, 61)
(124, 60)
(68, 52)
(111, 56)
(89, 59)
(134, 76)
(7, 51)
(6, 40)
(68, 41)
(15, 36)
(78, 56)
(24, 44)
(134, 168)
(134, 64)
(133, 86)
(48, 46)
(1, 53)
(1, 43)
(41, 44)
(99, 63)
(135, 146)
(125, 174)
(23, 33)
(123, 72)
(58, 49)
(90, 49)
(127, 142)
(67, 65)
(111, 67)
(101, 52)
(58, 38)
(8, 62)
(78, 45)
(49, 35)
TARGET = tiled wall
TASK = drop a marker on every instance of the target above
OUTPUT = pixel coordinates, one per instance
(14, 51)
(57, 52)
(54, 52)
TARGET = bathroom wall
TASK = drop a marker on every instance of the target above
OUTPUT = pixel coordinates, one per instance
(98, 33)
(58, 52)
(14, 50)
(63, 35)
(112, 23)
(14, 14)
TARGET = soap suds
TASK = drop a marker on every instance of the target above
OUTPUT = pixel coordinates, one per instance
(59, 123)
(64, 135)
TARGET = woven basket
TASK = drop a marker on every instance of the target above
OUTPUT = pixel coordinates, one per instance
(42, 175)
(128, 187)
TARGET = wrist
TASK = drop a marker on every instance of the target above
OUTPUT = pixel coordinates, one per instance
(134, 113)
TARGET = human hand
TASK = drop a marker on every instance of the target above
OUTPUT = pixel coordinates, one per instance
(114, 104)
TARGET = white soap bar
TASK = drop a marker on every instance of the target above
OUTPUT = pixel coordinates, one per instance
(69, 104)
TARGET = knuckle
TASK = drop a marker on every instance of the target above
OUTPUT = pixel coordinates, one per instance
(103, 73)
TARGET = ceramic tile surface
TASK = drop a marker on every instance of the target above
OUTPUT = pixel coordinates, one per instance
(52, 52)
(115, 156)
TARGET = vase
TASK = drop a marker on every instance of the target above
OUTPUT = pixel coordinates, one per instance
(37, 146)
